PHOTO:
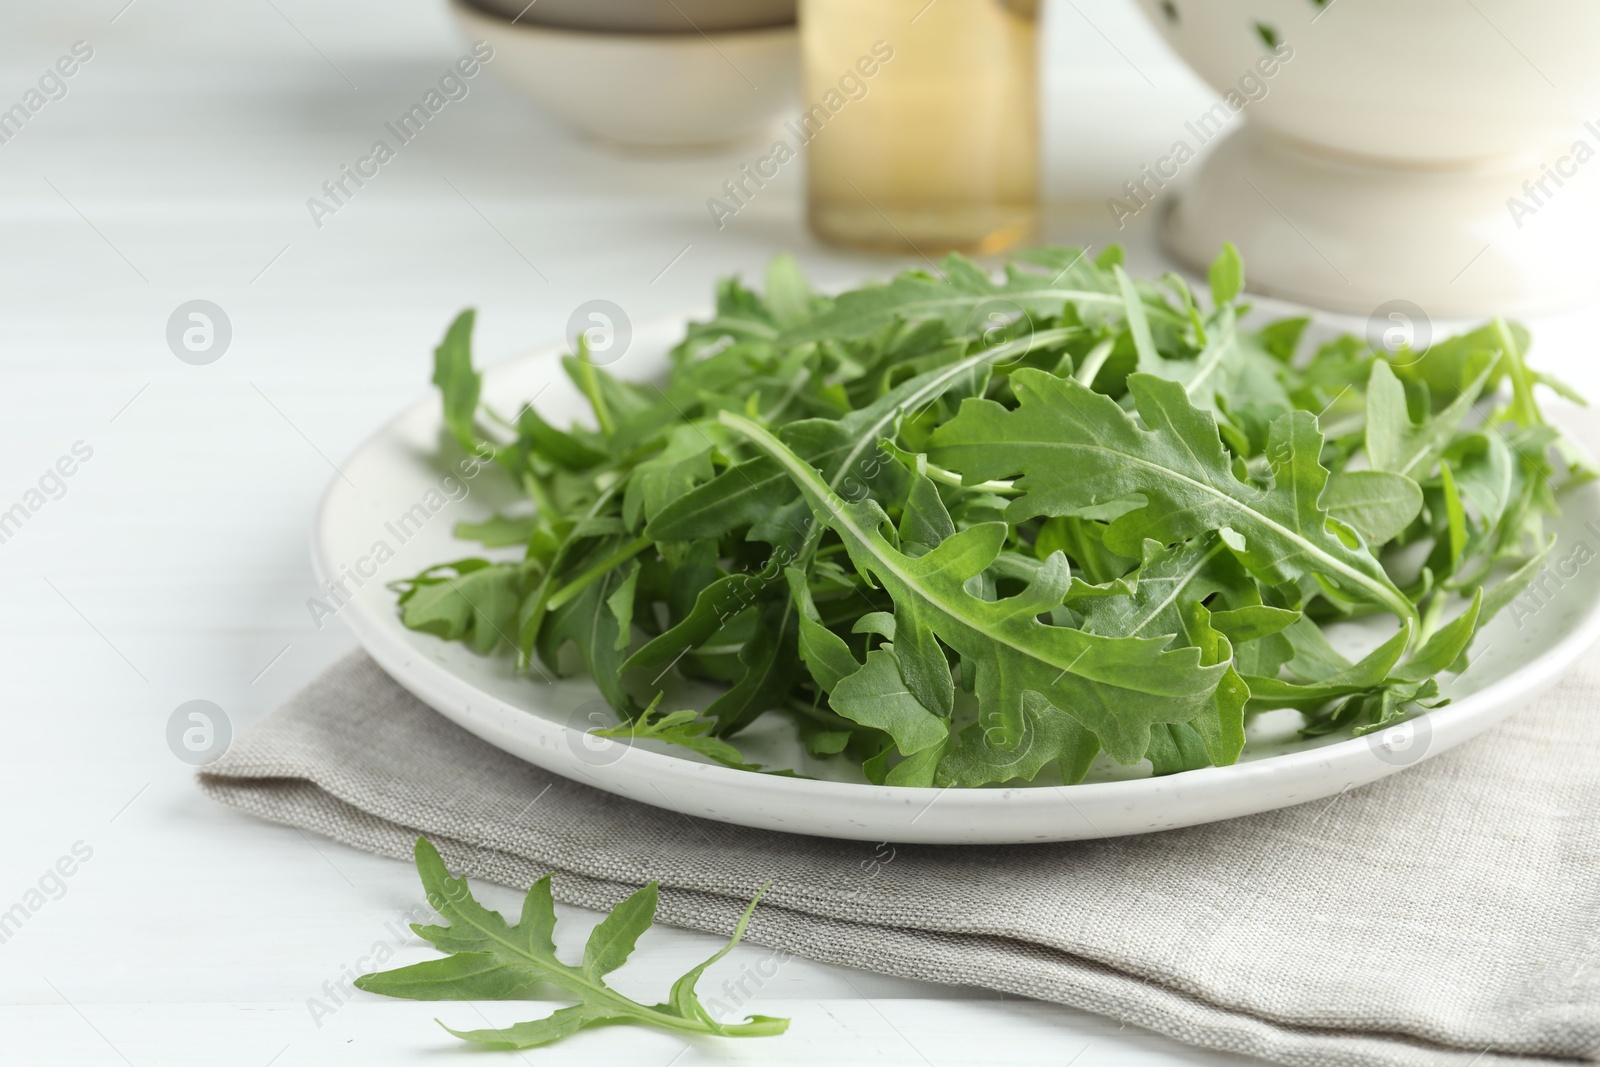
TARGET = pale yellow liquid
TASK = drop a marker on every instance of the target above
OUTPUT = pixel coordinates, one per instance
(941, 153)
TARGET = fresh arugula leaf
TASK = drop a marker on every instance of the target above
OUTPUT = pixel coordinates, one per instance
(1169, 581)
(471, 600)
(491, 959)
(498, 531)
(825, 653)
(1394, 443)
(877, 696)
(1369, 673)
(788, 296)
(1169, 599)
(1226, 276)
(1253, 622)
(1281, 339)
(682, 728)
(574, 450)
(964, 289)
(683, 462)
(1074, 447)
(459, 385)
(770, 668)
(1377, 504)
(1114, 687)
(590, 624)
(847, 448)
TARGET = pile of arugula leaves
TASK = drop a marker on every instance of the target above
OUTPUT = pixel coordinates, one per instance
(964, 529)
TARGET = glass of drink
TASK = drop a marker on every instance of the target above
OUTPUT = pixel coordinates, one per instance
(921, 123)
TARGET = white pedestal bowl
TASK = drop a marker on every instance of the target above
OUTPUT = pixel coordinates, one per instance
(1441, 152)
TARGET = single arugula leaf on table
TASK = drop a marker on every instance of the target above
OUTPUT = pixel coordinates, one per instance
(491, 959)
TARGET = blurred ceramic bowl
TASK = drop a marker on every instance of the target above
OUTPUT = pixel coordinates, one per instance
(648, 89)
(1374, 151)
(647, 16)
(1416, 81)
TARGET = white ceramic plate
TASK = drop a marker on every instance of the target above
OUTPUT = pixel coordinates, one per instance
(392, 514)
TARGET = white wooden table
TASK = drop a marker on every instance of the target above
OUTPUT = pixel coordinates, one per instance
(172, 564)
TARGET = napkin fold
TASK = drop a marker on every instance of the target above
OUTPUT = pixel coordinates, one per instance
(1449, 914)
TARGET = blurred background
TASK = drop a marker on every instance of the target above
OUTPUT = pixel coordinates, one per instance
(179, 163)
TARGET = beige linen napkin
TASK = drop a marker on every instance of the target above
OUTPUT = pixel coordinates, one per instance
(1447, 915)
